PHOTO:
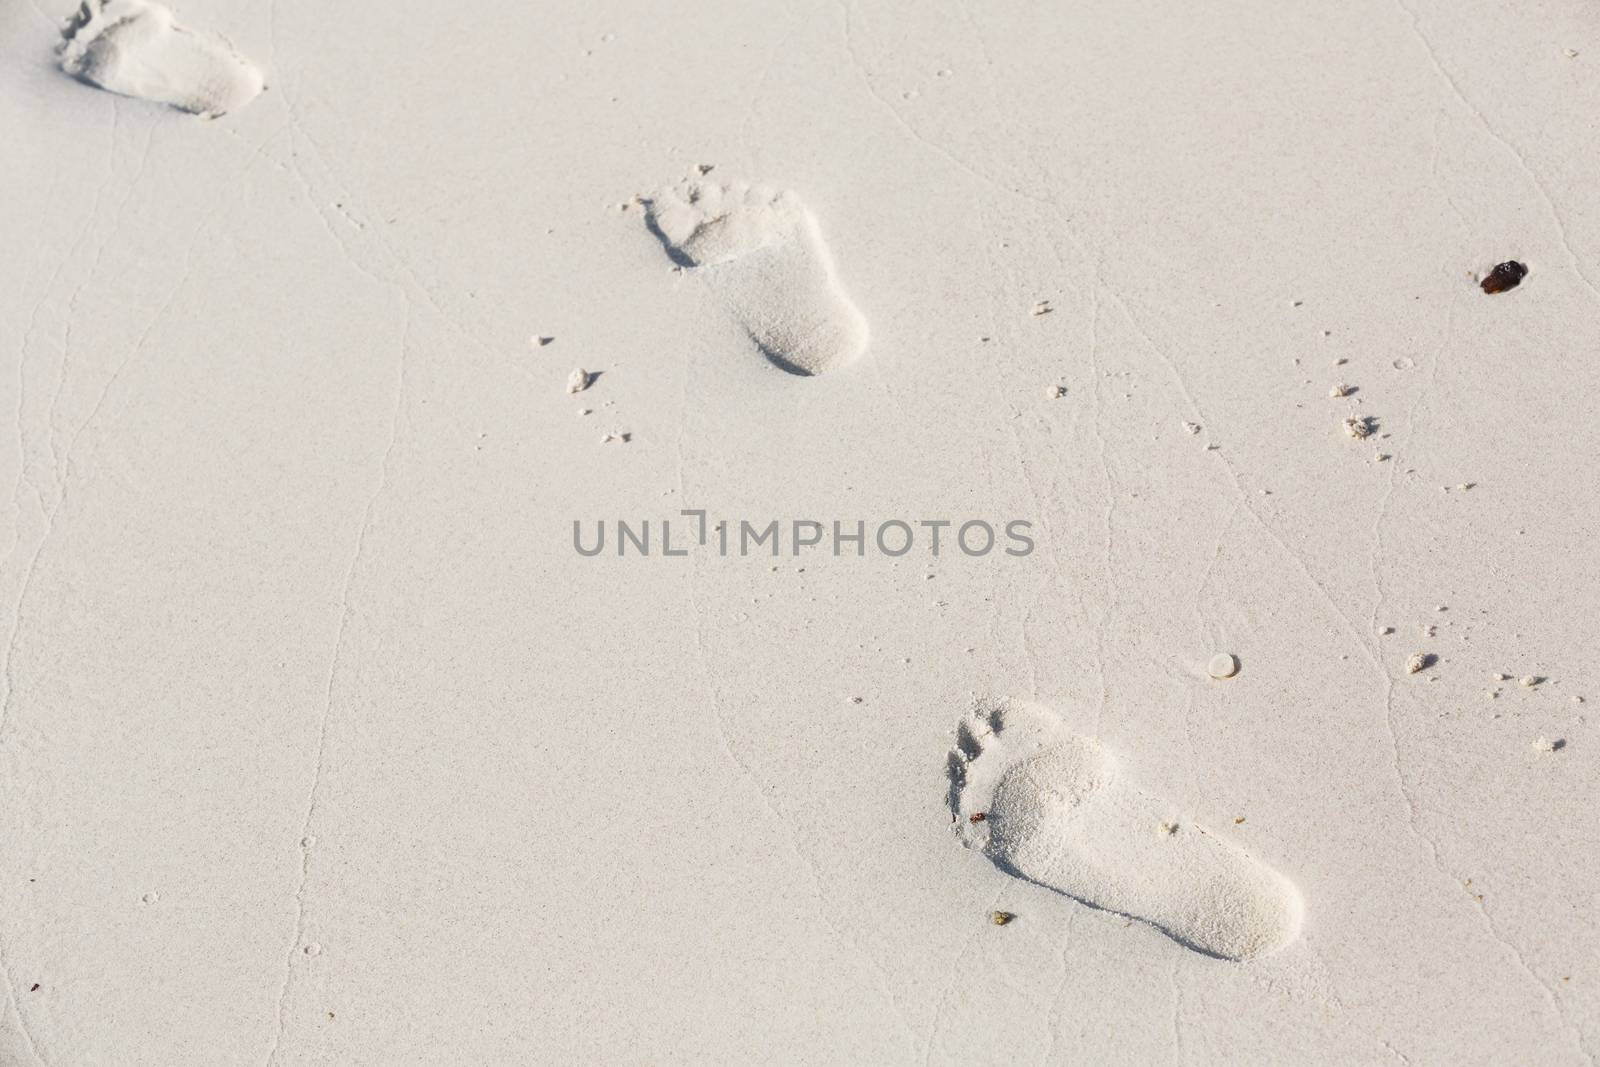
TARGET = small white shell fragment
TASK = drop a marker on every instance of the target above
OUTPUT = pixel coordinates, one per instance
(1497, 676)
(1357, 428)
(1545, 744)
(578, 380)
(620, 438)
(1528, 681)
(1338, 390)
(1386, 631)
(1191, 428)
(1057, 392)
(1223, 665)
(1415, 662)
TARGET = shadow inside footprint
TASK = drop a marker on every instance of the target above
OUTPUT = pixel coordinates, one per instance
(677, 255)
(777, 359)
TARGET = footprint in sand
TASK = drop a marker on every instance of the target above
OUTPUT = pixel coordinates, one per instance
(134, 48)
(1056, 812)
(762, 252)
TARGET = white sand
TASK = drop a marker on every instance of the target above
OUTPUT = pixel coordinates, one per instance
(320, 743)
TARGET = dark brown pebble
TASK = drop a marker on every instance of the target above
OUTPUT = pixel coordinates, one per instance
(1507, 275)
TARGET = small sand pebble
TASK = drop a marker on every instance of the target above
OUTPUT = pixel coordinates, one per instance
(1386, 631)
(1167, 829)
(1000, 918)
(1380, 457)
(1416, 662)
(585, 411)
(1042, 307)
(313, 949)
(1570, 53)
(1545, 744)
(1338, 391)
(542, 341)
(1191, 428)
(1358, 428)
(1499, 677)
(578, 380)
(150, 898)
(620, 438)
(1223, 665)
(1528, 681)
(1056, 392)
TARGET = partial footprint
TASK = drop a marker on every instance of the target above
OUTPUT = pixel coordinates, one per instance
(762, 251)
(134, 48)
(1056, 812)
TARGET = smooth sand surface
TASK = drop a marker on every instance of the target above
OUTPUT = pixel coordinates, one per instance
(321, 744)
